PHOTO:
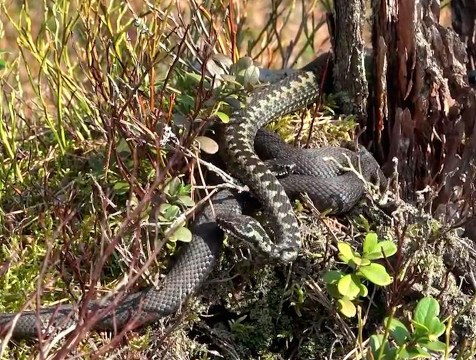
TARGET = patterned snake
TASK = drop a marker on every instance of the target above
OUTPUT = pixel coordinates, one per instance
(326, 183)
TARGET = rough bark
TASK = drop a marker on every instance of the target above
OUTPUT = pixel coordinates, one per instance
(463, 13)
(463, 16)
(385, 70)
(349, 70)
(423, 108)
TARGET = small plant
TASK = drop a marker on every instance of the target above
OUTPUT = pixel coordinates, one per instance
(347, 287)
(418, 342)
(169, 213)
(298, 298)
(239, 327)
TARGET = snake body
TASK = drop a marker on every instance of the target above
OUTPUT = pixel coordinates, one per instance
(283, 97)
(188, 273)
(322, 173)
(281, 242)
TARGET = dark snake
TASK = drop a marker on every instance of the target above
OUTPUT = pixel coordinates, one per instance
(310, 171)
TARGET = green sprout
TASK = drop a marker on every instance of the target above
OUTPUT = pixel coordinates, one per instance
(417, 341)
(348, 287)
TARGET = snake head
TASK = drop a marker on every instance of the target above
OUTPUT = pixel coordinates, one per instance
(250, 231)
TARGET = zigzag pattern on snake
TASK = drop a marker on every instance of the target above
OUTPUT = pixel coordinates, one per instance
(291, 94)
(198, 257)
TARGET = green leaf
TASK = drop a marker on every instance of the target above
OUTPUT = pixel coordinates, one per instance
(332, 276)
(346, 307)
(349, 286)
(376, 273)
(186, 200)
(169, 212)
(384, 247)
(121, 187)
(332, 290)
(388, 247)
(436, 329)
(345, 250)
(399, 331)
(420, 329)
(363, 290)
(2, 64)
(172, 187)
(360, 261)
(390, 353)
(223, 117)
(185, 189)
(346, 254)
(186, 102)
(376, 343)
(373, 249)
(426, 310)
(370, 243)
(350, 257)
(182, 234)
(434, 345)
(413, 353)
(193, 78)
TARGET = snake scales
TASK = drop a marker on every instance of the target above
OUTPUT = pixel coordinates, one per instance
(327, 184)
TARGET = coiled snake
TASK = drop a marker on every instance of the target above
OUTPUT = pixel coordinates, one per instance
(328, 187)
